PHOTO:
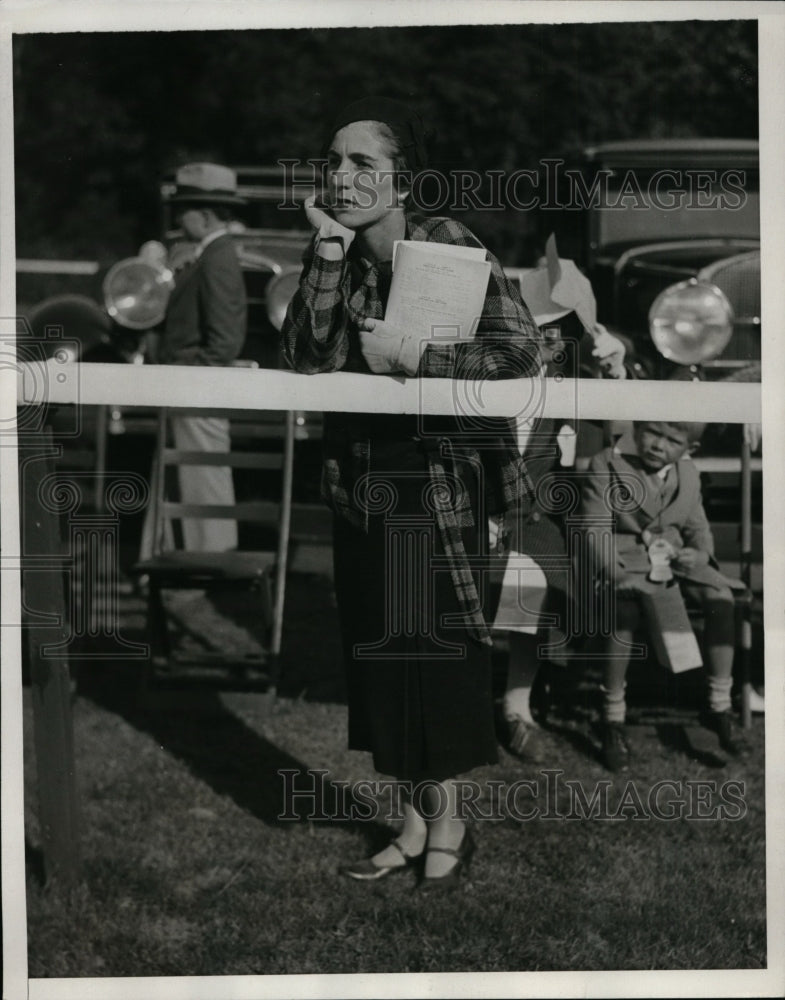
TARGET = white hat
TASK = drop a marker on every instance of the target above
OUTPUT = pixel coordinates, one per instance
(206, 184)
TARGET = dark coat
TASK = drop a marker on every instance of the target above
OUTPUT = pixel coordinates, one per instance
(206, 317)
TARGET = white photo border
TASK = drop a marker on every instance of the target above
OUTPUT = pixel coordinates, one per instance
(205, 15)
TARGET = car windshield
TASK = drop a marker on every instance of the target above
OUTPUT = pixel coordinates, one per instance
(633, 207)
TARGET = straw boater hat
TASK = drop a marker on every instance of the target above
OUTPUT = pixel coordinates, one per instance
(206, 184)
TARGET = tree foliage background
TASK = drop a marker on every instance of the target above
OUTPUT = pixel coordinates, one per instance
(100, 117)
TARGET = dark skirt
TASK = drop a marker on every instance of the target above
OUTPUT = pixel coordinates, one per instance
(419, 688)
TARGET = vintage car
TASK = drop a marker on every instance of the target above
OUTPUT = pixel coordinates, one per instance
(105, 313)
(668, 232)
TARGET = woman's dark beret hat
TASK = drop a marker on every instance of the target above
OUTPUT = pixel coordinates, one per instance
(405, 122)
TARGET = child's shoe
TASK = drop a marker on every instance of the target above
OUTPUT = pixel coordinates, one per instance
(615, 748)
(723, 724)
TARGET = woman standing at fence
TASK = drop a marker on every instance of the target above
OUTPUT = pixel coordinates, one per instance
(410, 495)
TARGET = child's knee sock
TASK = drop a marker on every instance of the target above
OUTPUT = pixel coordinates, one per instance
(617, 652)
(614, 706)
(719, 649)
(719, 688)
(614, 684)
(719, 669)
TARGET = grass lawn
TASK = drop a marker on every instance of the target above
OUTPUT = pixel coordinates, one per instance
(188, 868)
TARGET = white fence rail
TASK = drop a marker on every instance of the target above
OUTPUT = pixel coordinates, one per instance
(261, 389)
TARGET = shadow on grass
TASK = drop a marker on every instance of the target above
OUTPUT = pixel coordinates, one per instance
(220, 749)
(674, 737)
(578, 739)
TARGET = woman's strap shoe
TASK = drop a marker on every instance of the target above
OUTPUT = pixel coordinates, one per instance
(368, 871)
(463, 856)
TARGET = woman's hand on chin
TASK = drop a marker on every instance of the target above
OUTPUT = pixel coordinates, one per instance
(327, 228)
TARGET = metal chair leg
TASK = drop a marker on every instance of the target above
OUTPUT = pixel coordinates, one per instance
(745, 651)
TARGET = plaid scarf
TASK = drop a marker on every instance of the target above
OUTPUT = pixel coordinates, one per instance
(320, 334)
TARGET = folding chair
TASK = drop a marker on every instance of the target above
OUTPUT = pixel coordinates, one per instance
(262, 572)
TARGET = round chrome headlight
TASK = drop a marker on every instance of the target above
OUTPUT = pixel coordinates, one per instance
(136, 293)
(691, 322)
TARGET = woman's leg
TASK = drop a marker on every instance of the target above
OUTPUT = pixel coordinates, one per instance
(521, 671)
(446, 830)
(524, 736)
(410, 841)
(443, 830)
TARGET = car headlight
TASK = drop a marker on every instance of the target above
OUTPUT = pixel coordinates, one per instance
(691, 322)
(136, 293)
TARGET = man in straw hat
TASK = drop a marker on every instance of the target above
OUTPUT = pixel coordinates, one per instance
(205, 324)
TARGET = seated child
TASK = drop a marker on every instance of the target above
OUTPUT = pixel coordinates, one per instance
(650, 487)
